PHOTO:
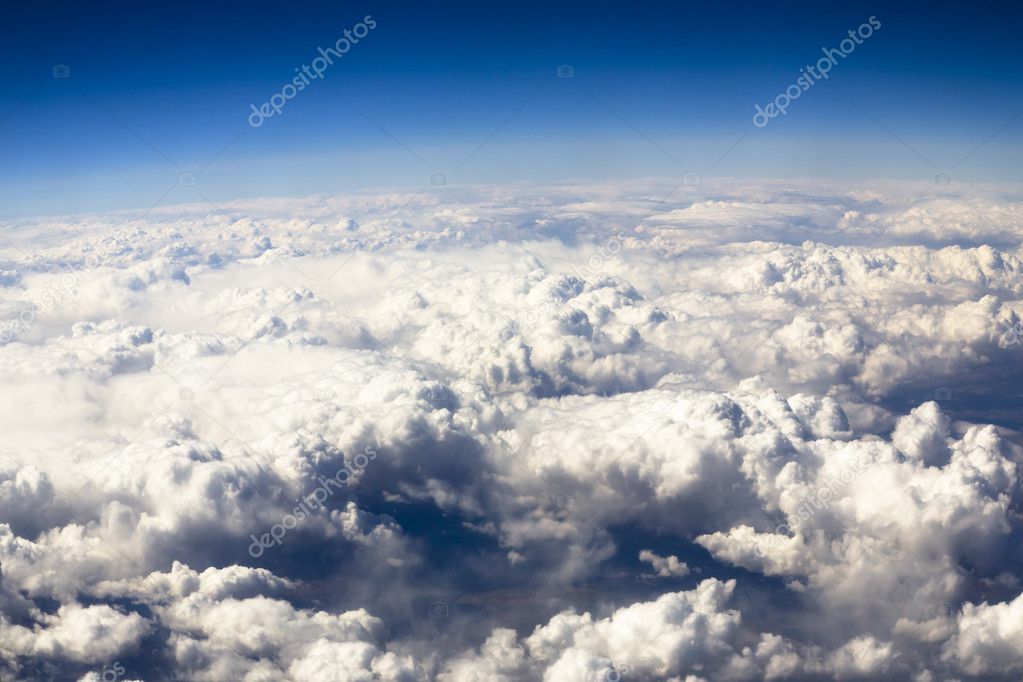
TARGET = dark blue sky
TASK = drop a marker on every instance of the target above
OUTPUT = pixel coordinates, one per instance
(470, 90)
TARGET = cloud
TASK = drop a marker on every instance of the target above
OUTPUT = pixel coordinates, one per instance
(755, 431)
(677, 632)
(87, 634)
(987, 639)
(664, 566)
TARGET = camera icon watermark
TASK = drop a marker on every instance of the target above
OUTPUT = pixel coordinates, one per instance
(943, 393)
(1012, 335)
(563, 501)
(60, 502)
(565, 71)
(438, 609)
(941, 610)
(942, 179)
(186, 180)
(616, 673)
(692, 179)
(112, 672)
(186, 394)
(61, 71)
(438, 179)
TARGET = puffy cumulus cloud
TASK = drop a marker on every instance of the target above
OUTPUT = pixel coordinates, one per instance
(987, 639)
(219, 623)
(350, 661)
(923, 435)
(677, 458)
(86, 634)
(24, 493)
(260, 636)
(520, 327)
(664, 566)
(501, 657)
(677, 633)
(745, 430)
(861, 657)
(237, 582)
(881, 535)
(680, 635)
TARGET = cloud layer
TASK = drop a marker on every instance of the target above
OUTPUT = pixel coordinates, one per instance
(738, 431)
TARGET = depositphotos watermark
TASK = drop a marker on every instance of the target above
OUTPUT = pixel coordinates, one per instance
(308, 504)
(826, 493)
(54, 294)
(307, 73)
(781, 103)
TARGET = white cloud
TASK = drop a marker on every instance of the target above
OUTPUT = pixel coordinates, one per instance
(88, 634)
(664, 566)
(988, 638)
(539, 396)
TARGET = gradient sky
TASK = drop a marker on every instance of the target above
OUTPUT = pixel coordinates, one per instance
(469, 90)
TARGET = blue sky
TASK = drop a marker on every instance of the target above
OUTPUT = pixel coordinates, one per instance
(470, 90)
